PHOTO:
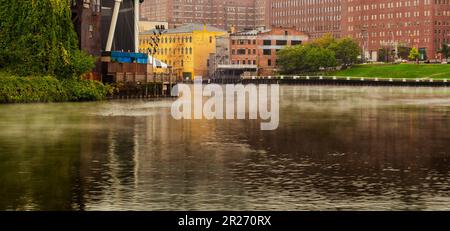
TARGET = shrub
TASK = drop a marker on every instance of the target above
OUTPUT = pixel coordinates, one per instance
(85, 90)
(14, 89)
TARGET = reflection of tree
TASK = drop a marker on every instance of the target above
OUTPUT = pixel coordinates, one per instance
(38, 167)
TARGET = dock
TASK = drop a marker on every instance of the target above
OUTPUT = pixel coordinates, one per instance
(333, 80)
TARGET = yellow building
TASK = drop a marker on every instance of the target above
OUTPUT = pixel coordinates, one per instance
(185, 49)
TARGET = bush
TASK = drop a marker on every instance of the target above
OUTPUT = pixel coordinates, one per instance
(85, 90)
(14, 89)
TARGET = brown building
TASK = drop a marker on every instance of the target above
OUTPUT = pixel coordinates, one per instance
(86, 16)
(316, 17)
(386, 26)
(263, 13)
(218, 13)
(256, 50)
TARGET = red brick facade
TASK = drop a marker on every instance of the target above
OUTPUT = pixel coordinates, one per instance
(258, 48)
(316, 17)
(221, 14)
(387, 24)
(376, 24)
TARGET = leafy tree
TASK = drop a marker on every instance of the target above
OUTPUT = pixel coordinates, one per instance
(346, 50)
(305, 58)
(38, 38)
(403, 52)
(414, 54)
(445, 50)
(325, 41)
(317, 57)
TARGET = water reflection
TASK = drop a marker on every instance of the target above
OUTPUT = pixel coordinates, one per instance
(337, 148)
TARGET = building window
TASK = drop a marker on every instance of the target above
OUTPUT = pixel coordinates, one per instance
(267, 52)
(241, 51)
(269, 62)
(281, 43)
(210, 39)
(296, 42)
(267, 42)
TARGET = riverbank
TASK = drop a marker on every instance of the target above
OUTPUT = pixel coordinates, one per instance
(396, 71)
(44, 89)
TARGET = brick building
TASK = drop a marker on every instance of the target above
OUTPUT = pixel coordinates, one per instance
(87, 23)
(388, 25)
(316, 17)
(263, 13)
(256, 50)
(218, 13)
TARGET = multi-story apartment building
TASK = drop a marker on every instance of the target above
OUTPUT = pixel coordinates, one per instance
(257, 49)
(186, 48)
(387, 25)
(218, 13)
(263, 13)
(316, 17)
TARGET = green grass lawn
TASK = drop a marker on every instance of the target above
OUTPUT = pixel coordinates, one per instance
(421, 71)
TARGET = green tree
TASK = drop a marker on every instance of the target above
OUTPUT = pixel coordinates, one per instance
(346, 50)
(305, 59)
(403, 52)
(445, 51)
(38, 38)
(414, 54)
(325, 41)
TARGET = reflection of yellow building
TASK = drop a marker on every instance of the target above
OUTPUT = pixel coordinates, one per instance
(185, 49)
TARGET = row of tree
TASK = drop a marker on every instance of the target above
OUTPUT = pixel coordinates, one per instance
(37, 37)
(323, 53)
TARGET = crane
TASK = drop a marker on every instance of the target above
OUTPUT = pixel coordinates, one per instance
(113, 25)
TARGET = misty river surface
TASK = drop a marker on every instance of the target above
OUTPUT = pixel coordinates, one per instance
(337, 148)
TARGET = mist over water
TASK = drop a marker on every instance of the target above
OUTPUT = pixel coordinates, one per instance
(337, 148)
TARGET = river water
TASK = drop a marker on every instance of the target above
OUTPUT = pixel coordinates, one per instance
(337, 148)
